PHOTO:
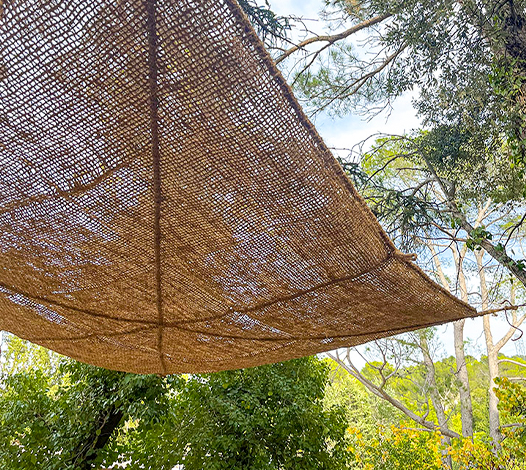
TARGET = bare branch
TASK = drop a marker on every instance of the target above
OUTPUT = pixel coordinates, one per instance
(417, 429)
(351, 369)
(515, 227)
(331, 39)
(522, 364)
(513, 328)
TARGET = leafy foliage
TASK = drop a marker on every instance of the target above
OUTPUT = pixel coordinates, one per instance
(61, 419)
(74, 416)
(270, 417)
(464, 61)
(267, 24)
(512, 405)
(394, 448)
(409, 180)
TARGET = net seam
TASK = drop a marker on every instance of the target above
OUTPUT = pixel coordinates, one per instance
(156, 158)
(177, 325)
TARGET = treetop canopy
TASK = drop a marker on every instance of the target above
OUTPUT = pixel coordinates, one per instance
(166, 206)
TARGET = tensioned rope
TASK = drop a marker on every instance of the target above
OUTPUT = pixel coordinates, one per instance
(154, 126)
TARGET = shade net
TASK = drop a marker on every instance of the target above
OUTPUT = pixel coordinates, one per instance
(166, 206)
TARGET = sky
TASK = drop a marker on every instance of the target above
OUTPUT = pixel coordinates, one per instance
(345, 132)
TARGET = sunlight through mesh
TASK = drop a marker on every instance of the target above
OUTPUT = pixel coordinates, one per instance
(166, 206)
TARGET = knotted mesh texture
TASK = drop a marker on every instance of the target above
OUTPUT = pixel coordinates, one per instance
(165, 205)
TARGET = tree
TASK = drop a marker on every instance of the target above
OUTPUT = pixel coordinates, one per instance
(269, 417)
(379, 376)
(466, 59)
(488, 224)
(512, 404)
(61, 414)
(394, 448)
(493, 347)
(408, 182)
(65, 417)
(270, 27)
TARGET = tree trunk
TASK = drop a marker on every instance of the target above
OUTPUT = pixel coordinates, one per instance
(493, 352)
(466, 409)
(435, 397)
(108, 421)
(494, 417)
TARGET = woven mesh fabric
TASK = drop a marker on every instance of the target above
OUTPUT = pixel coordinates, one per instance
(166, 206)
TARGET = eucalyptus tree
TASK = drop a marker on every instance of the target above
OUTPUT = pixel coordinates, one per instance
(411, 182)
(466, 60)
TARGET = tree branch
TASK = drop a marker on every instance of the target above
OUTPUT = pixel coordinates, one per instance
(331, 39)
(360, 82)
(393, 401)
(498, 255)
(512, 362)
(514, 327)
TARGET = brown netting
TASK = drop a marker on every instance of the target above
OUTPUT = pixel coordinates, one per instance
(166, 206)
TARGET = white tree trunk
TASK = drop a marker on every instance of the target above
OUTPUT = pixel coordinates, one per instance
(493, 352)
(466, 408)
(494, 417)
(435, 397)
